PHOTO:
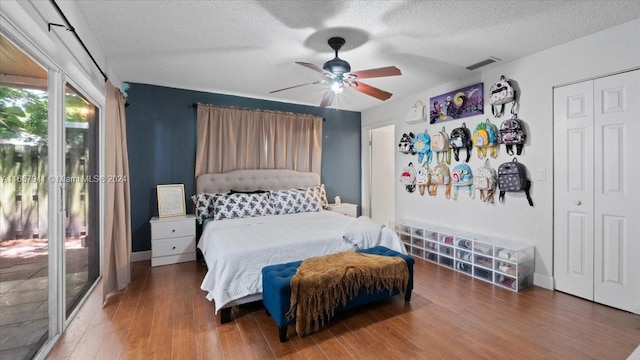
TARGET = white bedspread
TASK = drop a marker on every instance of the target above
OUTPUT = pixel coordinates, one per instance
(236, 250)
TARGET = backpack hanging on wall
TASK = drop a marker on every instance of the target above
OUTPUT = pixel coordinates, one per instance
(501, 93)
(422, 146)
(485, 180)
(440, 176)
(512, 133)
(462, 176)
(512, 177)
(423, 177)
(405, 145)
(440, 145)
(461, 139)
(408, 178)
(485, 136)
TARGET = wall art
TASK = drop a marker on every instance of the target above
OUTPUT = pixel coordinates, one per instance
(457, 104)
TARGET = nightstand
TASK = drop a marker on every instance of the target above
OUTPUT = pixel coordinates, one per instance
(344, 209)
(173, 239)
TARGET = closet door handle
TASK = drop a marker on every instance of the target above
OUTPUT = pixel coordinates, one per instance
(577, 202)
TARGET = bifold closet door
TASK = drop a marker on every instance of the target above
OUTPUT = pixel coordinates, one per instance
(617, 191)
(573, 189)
(597, 190)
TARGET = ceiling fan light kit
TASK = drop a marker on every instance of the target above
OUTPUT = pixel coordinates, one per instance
(339, 75)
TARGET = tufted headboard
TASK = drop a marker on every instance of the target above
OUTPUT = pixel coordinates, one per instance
(247, 180)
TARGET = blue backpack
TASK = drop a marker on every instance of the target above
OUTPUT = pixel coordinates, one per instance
(462, 176)
(422, 146)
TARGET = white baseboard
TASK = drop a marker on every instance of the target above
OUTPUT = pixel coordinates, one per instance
(543, 281)
(635, 355)
(140, 256)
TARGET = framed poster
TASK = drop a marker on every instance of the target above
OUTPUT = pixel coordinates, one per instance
(457, 104)
(171, 200)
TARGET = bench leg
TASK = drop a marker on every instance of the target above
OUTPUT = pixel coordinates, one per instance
(407, 295)
(225, 315)
(282, 332)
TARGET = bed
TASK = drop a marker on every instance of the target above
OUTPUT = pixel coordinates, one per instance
(235, 248)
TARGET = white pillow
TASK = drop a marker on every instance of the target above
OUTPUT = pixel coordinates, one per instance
(240, 205)
(295, 201)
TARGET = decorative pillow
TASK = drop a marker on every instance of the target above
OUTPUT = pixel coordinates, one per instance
(205, 204)
(320, 193)
(239, 205)
(295, 201)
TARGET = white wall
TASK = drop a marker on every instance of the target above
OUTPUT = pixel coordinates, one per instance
(602, 53)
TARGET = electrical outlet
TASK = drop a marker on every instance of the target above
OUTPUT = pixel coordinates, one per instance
(541, 175)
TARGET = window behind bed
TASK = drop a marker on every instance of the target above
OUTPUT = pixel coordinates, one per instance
(236, 139)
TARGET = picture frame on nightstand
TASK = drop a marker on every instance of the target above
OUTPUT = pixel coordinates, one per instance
(171, 200)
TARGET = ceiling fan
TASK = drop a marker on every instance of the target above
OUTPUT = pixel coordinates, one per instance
(338, 75)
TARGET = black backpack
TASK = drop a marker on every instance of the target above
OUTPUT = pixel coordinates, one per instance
(512, 177)
(461, 139)
(512, 133)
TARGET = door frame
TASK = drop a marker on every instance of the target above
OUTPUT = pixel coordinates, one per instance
(57, 78)
(366, 164)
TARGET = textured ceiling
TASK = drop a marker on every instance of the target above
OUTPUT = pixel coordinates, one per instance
(249, 48)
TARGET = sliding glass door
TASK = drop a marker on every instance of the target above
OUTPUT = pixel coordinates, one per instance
(49, 201)
(24, 204)
(82, 252)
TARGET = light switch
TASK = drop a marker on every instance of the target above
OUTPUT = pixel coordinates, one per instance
(541, 175)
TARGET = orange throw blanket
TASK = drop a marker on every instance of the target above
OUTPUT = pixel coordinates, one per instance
(322, 283)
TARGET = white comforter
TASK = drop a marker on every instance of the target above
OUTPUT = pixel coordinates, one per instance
(236, 250)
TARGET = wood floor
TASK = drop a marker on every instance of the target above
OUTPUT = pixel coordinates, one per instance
(164, 315)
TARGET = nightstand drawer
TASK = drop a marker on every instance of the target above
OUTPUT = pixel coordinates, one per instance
(344, 209)
(172, 229)
(173, 246)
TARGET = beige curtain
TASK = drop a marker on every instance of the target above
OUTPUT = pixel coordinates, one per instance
(117, 220)
(234, 139)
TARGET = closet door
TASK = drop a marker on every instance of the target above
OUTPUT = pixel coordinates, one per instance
(573, 189)
(617, 191)
(597, 190)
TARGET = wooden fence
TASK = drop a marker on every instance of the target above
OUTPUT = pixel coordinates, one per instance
(24, 191)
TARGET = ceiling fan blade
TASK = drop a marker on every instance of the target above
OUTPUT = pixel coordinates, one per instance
(316, 68)
(327, 98)
(370, 90)
(379, 72)
(295, 86)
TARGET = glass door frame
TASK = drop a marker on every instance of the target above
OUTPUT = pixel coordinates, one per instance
(57, 79)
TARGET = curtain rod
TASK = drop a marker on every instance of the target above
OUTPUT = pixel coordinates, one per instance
(195, 105)
(68, 27)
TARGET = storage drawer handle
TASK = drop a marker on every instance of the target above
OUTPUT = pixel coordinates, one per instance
(173, 248)
(173, 230)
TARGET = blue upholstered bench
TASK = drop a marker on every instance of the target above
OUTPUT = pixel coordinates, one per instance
(276, 292)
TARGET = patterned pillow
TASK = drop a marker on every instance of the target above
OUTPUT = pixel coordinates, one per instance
(205, 204)
(320, 193)
(242, 206)
(295, 201)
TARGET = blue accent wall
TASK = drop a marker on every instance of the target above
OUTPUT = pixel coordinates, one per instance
(161, 141)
